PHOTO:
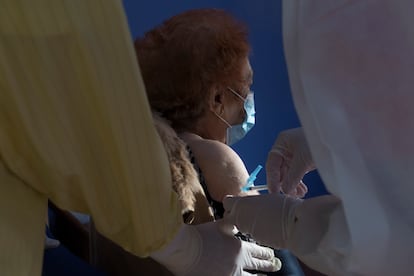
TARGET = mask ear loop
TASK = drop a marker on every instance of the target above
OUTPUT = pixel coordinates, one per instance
(250, 94)
(237, 94)
(221, 118)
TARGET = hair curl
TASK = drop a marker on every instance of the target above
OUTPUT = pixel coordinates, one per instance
(186, 57)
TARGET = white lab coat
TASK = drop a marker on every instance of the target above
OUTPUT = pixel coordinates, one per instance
(351, 66)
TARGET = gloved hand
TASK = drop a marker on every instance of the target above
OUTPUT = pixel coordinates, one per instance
(267, 218)
(281, 221)
(287, 162)
(207, 249)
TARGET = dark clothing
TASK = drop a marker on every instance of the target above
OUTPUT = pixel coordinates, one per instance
(217, 206)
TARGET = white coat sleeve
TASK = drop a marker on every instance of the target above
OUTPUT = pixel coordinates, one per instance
(350, 67)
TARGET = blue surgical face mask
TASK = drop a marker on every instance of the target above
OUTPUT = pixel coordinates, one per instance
(236, 132)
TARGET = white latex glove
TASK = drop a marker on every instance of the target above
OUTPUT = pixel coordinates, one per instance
(268, 218)
(206, 249)
(281, 221)
(287, 162)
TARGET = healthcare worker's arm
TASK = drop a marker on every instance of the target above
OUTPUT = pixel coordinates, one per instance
(350, 68)
(350, 65)
(75, 127)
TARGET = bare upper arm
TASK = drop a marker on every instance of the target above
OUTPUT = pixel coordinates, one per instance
(223, 169)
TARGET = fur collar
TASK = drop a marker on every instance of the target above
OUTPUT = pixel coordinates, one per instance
(194, 205)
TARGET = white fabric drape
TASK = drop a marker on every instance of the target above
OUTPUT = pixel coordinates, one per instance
(351, 67)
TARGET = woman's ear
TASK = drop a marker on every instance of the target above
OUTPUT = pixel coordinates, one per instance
(216, 101)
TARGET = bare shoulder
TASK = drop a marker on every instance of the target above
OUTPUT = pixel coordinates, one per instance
(223, 169)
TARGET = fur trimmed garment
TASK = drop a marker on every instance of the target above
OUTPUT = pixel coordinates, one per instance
(194, 205)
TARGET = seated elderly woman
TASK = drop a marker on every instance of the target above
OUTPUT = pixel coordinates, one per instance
(197, 75)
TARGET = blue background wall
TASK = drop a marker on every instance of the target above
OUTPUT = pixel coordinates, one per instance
(274, 106)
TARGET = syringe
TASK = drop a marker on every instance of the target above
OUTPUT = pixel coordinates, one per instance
(250, 180)
(257, 188)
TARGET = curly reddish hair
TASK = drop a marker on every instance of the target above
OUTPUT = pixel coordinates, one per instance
(188, 56)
